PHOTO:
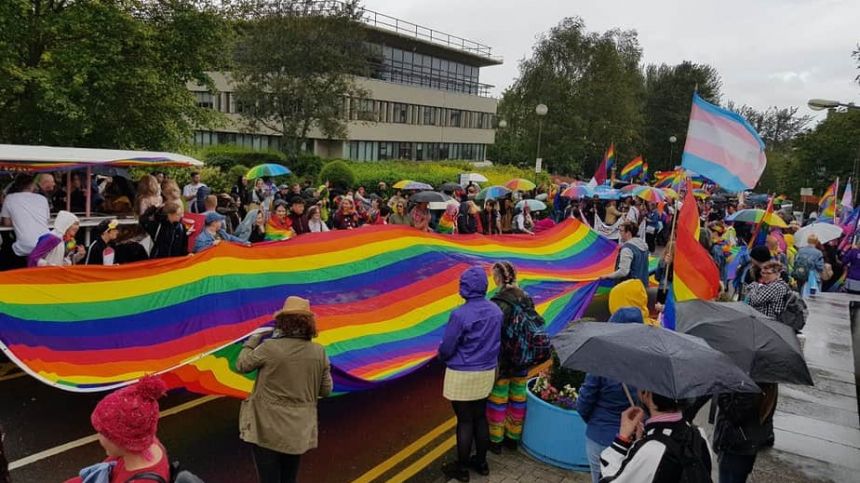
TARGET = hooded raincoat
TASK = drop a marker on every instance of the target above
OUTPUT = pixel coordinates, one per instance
(51, 247)
(627, 294)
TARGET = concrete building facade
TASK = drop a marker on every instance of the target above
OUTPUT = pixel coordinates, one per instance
(425, 100)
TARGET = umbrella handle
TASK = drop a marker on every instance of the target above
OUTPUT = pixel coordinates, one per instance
(629, 397)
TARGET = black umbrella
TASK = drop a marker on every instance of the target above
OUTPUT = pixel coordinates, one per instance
(428, 197)
(668, 363)
(766, 349)
(450, 187)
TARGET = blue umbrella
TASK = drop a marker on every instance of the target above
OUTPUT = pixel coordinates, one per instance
(268, 169)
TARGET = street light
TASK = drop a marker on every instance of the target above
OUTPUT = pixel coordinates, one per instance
(672, 141)
(821, 104)
(541, 111)
(503, 124)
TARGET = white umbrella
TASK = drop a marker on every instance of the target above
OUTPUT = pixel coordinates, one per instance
(474, 177)
(824, 231)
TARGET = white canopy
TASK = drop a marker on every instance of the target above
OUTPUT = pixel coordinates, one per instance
(15, 157)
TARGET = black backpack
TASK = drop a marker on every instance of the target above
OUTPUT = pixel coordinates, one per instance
(524, 340)
(689, 450)
(177, 475)
(795, 311)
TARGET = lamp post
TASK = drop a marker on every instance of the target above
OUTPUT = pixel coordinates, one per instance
(821, 104)
(672, 141)
(541, 111)
(503, 124)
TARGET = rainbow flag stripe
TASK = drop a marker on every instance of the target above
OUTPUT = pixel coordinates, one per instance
(382, 296)
(827, 204)
(609, 157)
(633, 168)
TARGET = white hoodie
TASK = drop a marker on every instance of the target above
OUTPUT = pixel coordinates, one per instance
(56, 257)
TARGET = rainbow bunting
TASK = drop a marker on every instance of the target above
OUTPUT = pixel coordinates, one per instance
(827, 203)
(382, 296)
(633, 168)
(695, 274)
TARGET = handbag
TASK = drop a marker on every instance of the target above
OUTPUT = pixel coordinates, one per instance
(827, 273)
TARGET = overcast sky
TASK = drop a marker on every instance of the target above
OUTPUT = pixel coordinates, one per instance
(768, 52)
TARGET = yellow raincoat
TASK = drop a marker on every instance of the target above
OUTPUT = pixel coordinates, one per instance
(631, 293)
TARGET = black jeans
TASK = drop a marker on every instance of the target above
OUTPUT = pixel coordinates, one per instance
(735, 468)
(472, 428)
(275, 467)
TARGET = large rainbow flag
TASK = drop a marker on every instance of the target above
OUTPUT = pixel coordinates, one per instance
(633, 168)
(827, 204)
(382, 296)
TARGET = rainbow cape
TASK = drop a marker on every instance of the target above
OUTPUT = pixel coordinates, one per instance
(382, 295)
(632, 169)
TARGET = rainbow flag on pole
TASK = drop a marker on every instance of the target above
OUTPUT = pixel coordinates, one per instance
(633, 168)
(382, 296)
(827, 203)
(609, 157)
(723, 147)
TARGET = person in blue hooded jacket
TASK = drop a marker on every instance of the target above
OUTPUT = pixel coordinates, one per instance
(601, 402)
(470, 350)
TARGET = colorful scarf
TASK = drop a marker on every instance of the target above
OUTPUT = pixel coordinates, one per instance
(448, 222)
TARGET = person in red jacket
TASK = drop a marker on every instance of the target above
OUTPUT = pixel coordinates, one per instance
(126, 421)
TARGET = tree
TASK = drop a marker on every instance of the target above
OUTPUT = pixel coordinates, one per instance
(829, 150)
(107, 74)
(776, 126)
(295, 65)
(668, 100)
(591, 83)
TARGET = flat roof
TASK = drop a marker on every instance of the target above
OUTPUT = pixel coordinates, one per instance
(469, 51)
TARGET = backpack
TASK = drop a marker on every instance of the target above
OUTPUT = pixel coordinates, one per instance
(795, 311)
(177, 475)
(685, 447)
(800, 273)
(524, 340)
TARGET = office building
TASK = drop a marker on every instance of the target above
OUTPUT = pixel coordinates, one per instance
(425, 102)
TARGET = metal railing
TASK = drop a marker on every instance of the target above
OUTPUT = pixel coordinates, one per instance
(403, 27)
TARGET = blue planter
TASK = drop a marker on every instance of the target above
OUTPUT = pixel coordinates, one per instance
(554, 435)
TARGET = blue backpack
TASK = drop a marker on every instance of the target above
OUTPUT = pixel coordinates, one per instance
(524, 339)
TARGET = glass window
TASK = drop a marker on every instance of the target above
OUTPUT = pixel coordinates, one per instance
(383, 150)
(443, 151)
(455, 118)
(419, 151)
(205, 100)
(405, 151)
(407, 58)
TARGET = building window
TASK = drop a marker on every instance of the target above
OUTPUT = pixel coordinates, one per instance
(455, 118)
(205, 100)
(383, 151)
(400, 113)
(405, 151)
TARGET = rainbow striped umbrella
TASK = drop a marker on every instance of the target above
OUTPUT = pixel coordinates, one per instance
(650, 194)
(492, 193)
(631, 188)
(268, 169)
(577, 192)
(670, 193)
(755, 215)
(401, 184)
(520, 184)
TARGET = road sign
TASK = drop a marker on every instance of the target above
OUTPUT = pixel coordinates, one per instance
(805, 191)
(538, 164)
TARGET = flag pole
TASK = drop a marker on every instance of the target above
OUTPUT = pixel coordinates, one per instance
(672, 239)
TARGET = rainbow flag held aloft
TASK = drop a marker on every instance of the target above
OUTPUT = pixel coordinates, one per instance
(645, 173)
(609, 157)
(633, 168)
(827, 203)
(695, 274)
(382, 296)
(723, 147)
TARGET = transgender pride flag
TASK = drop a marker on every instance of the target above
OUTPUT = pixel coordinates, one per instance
(723, 147)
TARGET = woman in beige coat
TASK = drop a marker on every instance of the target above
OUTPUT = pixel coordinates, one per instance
(279, 418)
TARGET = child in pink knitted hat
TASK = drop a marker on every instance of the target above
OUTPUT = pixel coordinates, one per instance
(126, 421)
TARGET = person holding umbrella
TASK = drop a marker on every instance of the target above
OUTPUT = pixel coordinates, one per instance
(769, 295)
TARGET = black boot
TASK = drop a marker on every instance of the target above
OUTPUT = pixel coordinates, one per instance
(455, 471)
(480, 467)
(511, 444)
(495, 448)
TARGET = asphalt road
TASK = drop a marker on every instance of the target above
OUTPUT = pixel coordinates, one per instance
(357, 431)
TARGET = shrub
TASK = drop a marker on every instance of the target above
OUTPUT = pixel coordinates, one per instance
(306, 166)
(226, 156)
(339, 174)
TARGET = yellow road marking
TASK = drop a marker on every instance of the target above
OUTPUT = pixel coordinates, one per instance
(424, 461)
(33, 458)
(406, 452)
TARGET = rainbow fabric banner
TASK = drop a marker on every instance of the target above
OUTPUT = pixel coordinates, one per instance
(723, 147)
(633, 168)
(382, 296)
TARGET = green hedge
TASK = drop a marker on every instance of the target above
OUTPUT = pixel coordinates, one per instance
(370, 173)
